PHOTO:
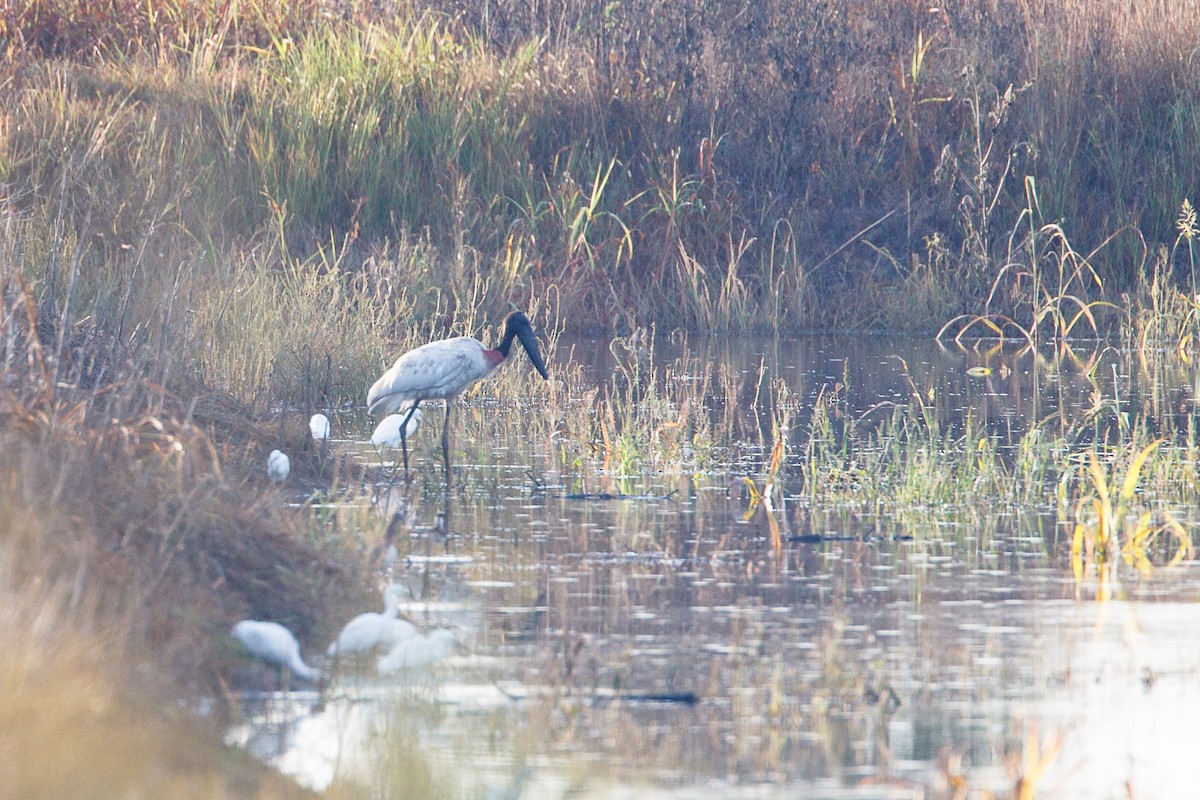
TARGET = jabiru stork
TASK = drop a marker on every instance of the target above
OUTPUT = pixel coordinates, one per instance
(442, 370)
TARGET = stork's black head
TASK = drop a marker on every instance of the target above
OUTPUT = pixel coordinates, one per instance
(518, 326)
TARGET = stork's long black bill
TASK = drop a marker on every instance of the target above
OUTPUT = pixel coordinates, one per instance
(525, 334)
(518, 325)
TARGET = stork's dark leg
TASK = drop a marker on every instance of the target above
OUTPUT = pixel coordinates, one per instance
(403, 437)
(446, 443)
(446, 460)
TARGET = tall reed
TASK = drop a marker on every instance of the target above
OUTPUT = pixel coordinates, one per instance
(875, 159)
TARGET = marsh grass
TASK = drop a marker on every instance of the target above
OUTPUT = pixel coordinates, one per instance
(137, 526)
(1111, 525)
(730, 180)
(75, 727)
(290, 333)
(652, 418)
(1053, 286)
(212, 213)
(791, 462)
(354, 125)
(900, 454)
(1167, 311)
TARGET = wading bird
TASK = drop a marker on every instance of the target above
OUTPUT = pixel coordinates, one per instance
(319, 426)
(278, 466)
(417, 651)
(442, 370)
(274, 644)
(387, 432)
(370, 630)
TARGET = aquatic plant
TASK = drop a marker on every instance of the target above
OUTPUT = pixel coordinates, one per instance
(1058, 280)
(1038, 755)
(1110, 526)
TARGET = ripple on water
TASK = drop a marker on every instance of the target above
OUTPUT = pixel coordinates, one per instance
(837, 669)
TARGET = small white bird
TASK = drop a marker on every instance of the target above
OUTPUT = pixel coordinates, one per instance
(319, 425)
(417, 651)
(370, 630)
(278, 466)
(274, 644)
(387, 432)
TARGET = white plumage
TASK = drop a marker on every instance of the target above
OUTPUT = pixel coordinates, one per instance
(371, 630)
(319, 426)
(387, 432)
(278, 465)
(444, 369)
(433, 371)
(274, 644)
(417, 651)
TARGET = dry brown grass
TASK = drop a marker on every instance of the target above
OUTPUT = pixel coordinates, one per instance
(135, 528)
(73, 726)
(162, 520)
(684, 163)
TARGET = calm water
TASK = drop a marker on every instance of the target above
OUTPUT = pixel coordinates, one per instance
(659, 647)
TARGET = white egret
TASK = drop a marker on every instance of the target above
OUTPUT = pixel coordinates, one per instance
(278, 466)
(442, 370)
(319, 426)
(417, 651)
(372, 629)
(387, 432)
(274, 644)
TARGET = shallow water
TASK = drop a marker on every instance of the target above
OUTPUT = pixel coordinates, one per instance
(659, 646)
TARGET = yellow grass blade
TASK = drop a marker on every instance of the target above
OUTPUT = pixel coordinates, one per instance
(1099, 482)
(755, 499)
(1135, 549)
(1182, 536)
(1135, 468)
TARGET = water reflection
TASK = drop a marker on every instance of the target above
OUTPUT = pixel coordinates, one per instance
(920, 651)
